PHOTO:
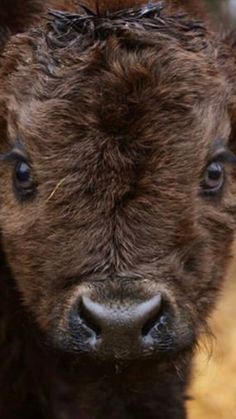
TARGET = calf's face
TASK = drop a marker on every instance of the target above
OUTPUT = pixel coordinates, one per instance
(117, 198)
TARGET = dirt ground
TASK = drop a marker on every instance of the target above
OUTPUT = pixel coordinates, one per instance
(214, 386)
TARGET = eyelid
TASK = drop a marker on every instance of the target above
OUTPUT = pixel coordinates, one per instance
(15, 154)
(224, 156)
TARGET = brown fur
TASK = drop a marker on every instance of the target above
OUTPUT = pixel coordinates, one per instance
(195, 6)
(17, 15)
(119, 120)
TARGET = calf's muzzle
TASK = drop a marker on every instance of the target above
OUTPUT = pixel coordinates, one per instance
(117, 330)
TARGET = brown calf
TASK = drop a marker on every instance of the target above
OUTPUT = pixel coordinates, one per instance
(117, 208)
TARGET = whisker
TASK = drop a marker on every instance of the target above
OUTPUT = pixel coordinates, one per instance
(55, 189)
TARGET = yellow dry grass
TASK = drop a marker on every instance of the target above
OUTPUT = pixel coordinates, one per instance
(214, 386)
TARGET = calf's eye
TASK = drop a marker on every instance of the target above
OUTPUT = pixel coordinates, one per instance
(23, 179)
(213, 178)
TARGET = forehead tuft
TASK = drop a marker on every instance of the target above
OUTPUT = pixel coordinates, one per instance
(143, 21)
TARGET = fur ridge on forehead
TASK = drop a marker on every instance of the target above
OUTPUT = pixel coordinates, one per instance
(65, 27)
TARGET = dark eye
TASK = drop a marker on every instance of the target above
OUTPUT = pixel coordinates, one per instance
(214, 178)
(23, 179)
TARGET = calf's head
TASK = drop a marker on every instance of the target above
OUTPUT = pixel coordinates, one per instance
(117, 194)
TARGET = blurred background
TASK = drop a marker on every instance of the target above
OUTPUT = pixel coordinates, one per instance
(213, 390)
(224, 11)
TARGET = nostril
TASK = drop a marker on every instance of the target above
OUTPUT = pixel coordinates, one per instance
(88, 320)
(154, 320)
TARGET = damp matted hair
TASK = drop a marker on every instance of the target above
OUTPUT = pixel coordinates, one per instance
(65, 27)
